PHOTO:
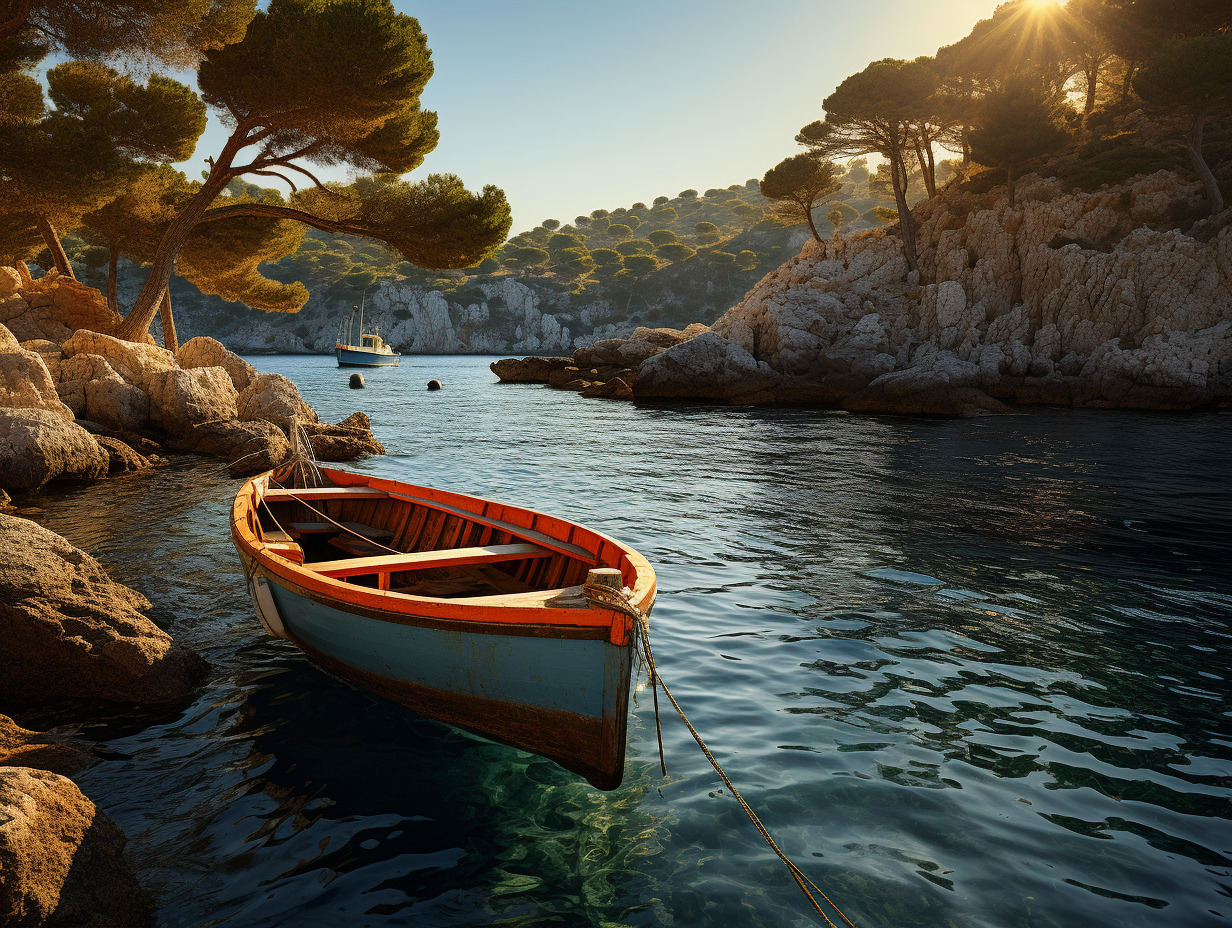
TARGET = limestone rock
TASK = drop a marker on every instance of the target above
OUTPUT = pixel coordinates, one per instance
(121, 458)
(203, 351)
(139, 364)
(10, 282)
(620, 352)
(61, 859)
(20, 747)
(349, 439)
(250, 447)
(528, 370)
(922, 393)
(53, 307)
(51, 353)
(706, 366)
(37, 446)
(275, 398)
(73, 633)
(181, 400)
(25, 382)
(90, 386)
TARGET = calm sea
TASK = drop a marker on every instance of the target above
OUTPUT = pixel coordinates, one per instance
(970, 673)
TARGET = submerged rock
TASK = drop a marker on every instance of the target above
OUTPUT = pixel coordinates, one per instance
(73, 633)
(20, 747)
(357, 381)
(61, 859)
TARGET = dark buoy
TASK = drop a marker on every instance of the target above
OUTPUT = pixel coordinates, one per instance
(434, 384)
(357, 381)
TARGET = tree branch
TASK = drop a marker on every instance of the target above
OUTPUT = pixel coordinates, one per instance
(268, 210)
(268, 173)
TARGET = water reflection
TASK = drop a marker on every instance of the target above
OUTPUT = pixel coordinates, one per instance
(970, 673)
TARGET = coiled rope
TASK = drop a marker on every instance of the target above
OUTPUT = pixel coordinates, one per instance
(622, 601)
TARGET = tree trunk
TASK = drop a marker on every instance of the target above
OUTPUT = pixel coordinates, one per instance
(1092, 73)
(113, 257)
(807, 209)
(1127, 85)
(170, 342)
(1193, 145)
(138, 321)
(52, 238)
(1009, 181)
(906, 225)
(930, 180)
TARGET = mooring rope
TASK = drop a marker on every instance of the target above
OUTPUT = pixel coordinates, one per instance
(622, 601)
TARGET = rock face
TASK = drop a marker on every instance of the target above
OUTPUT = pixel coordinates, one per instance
(61, 859)
(1085, 298)
(1092, 299)
(73, 633)
(275, 398)
(528, 370)
(52, 307)
(207, 352)
(20, 747)
(37, 447)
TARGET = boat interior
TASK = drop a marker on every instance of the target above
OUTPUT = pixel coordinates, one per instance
(432, 548)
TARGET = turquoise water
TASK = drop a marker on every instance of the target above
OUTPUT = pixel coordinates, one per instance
(970, 673)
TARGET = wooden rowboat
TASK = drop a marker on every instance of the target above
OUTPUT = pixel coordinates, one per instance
(465, 610)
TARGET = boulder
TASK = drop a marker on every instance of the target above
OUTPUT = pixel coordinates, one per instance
(925, 393)
(53, 307)
(181, 400)
(37, 446)
(137, 363)
(274, 398)
(25, 382)
(706, 366)
(349, 439)
(203, 351)
(20, 747)
(51, 353)
(121, 458)
(61, 859)
(528, 370)
(90, 386)
(250, 447)
(72, 633)
(10, 282)
(620, 352)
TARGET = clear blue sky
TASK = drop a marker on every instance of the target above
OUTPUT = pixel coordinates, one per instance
(574, 105)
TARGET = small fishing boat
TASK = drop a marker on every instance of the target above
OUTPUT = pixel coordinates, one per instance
(472, 612)
(371, 350)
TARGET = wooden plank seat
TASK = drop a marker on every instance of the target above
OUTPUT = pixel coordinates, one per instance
(273, 536)
(358, 547)
(422, 560)
(323, 493)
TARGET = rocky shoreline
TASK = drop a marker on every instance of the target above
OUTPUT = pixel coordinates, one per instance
(79, 404)
(1072, 299)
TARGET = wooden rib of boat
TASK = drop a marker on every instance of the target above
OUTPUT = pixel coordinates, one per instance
(465, 610)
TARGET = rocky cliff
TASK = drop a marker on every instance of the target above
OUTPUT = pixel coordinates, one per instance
(1110, 298)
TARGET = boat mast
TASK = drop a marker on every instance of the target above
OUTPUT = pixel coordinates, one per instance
(361, 319)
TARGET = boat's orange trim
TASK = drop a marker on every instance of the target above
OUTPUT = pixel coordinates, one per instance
(635, 570)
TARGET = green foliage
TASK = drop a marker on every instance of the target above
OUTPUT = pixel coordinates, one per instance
(563, 240)
(689, 194)
(747, 260)
(174, 33)
(845, 214)
(1188, 74)
(635, 247)
(665, 215)
(619, 230)
(607, 257)
(529, 257)
(705, 228)
(551, 224)
(661, 236)
(1019, 125)
(660, 201)
(883, 214)
(285, 74)
(599, 214)
(641, 265)
(799, 182)
(675, 252)
(639, 205)
(573, 262)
